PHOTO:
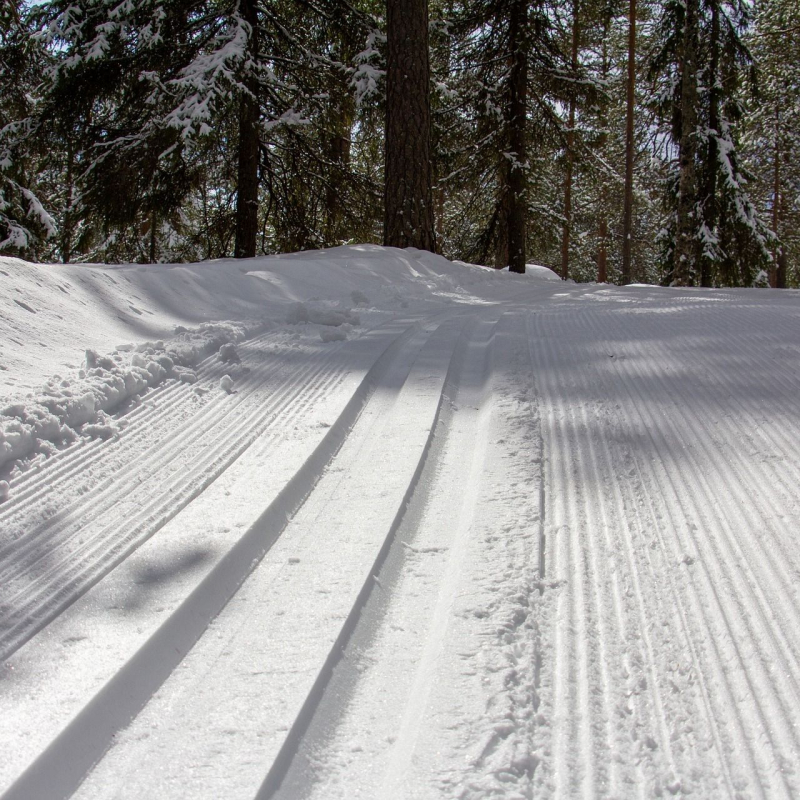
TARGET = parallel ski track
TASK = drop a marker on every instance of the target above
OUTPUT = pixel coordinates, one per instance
(74, 751)
(56, 562)
(742, 606)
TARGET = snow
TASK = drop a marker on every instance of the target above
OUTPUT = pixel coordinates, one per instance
(364, 522)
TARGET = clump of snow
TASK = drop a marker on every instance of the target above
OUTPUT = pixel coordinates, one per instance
(359, 298)
(306, 312)
(228, 354)
(226, 383)
(3, 490)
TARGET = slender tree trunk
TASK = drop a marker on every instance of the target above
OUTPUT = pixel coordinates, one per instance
(627, 209)
(602, 250)
(408, 220)
(685, 240)
(570, 154)
(776, 193)
(602, 211)
(153, 237)
(67, 228)
(247, 177)
(710, 207)
(517, 122)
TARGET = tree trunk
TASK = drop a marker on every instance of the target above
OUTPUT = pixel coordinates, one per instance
(570, 154)
(627, 211)
(247, 177)
(685, 240)
(408, 220)
(710, 206)
(68, 224)
(517, 121)
(776, 203)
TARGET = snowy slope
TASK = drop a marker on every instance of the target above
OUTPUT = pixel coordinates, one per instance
(367, 523)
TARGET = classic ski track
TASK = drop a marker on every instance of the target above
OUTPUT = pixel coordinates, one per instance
(230, 440)
(371, 435)
(410, 707)
(65, 762)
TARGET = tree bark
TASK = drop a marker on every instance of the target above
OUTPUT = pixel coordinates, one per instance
(685, 240)
(627, 210)
(517, 121)
(570, 154)
(247, 173)
(408, 209)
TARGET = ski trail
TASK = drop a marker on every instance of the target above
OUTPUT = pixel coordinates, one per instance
(296, 642)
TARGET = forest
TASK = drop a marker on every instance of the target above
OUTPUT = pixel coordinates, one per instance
(619, 142)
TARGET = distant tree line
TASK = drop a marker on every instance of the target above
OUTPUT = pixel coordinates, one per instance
(612, 140)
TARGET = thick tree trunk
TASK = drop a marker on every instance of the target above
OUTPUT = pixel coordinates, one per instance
(685, 240)
(627, 210)
(247, 176)
(565, 236)
(706, 277)
(408, 220)
(517, 121)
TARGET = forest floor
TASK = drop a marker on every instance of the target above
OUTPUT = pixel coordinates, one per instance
(363, 523)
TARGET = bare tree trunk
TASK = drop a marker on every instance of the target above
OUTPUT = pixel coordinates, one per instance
(685, 242)
(247, 177)
(518, 116)
(602, 211)
(408, 220)
(627, 212)
(712, 155)
(570, 151)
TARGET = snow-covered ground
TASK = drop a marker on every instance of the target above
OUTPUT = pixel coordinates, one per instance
(363, 523)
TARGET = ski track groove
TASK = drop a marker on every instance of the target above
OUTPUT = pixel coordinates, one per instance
(104, 549)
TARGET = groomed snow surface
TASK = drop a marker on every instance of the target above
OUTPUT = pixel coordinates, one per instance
(364, 523)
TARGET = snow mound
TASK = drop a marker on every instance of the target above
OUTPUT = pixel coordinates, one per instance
(541, 272)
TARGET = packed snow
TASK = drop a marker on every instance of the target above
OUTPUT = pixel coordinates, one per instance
(364, 522)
